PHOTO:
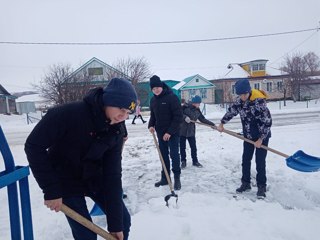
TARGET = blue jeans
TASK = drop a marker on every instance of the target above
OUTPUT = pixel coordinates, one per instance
(261, 154)
(193, 146)
(171, 148)
(80, 232)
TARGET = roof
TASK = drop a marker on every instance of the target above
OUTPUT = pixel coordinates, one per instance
(187, 83)
(3, 91)
(94, 59)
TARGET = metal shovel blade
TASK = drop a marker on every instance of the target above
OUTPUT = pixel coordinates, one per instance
(303, 162)
(166, 198)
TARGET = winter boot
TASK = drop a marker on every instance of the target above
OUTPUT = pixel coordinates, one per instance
(163, 181)
(183, 164)
(177, 183)
(261, 194)
(197, 164)
(244, 187)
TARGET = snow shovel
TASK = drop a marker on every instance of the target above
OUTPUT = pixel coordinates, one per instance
(299, 161)
(86, 223)
(173, 194)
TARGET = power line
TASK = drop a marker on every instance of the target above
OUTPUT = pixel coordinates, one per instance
(159, 42)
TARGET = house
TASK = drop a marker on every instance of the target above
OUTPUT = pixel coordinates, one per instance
(196, 85)
(97, 71)
(7, 101)
(270, 80)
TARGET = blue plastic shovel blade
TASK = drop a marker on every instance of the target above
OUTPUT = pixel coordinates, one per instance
(303, 162)
(96, 211)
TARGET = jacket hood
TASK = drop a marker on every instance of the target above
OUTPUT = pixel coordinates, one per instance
(255, 93)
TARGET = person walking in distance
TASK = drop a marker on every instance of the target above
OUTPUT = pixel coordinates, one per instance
(256, 124)
(165, 119)
(75, 152)
(137, 113)
(190, 112)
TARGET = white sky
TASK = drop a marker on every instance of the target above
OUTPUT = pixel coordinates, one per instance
(143, 21)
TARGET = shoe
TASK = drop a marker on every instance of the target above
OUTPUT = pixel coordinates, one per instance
(261, 194)
(144, 121)
(133, 123)
(124, 196)
(244, 187)
(197, 164)
(183, 164)
(177, 182)
(162, 182)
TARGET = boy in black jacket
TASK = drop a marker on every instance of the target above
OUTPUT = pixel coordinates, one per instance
(192, 112)
(75, 151)
(165, 119)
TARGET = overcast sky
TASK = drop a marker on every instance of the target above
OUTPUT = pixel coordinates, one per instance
(151, 21)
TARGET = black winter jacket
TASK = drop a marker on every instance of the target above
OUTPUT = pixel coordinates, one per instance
(73, 150)
(189, 129)
(165, 112)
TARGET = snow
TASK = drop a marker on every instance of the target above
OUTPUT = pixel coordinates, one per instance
(206, 208)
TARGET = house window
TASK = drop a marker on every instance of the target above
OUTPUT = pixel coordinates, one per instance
(255, 67)
(95, 71)
(256, 86)
(197, 80)
(269, 86)
(192, 93)
(279, 86)
(203, 93)
(262, 67)
(233, 89)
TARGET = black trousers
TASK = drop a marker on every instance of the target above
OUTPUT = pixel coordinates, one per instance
(139, 116)
(79, 205)
(193, 146)
(170, 148)
(260, 155)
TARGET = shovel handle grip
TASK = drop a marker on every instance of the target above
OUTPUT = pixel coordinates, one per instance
(243, 138)
(86, 223)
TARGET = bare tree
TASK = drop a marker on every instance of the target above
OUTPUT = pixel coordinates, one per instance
(299, 67)
(51, 86)
(137, 69)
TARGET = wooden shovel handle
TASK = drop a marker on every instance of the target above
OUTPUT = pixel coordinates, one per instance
(85, 222)
(162, 161)
(244, 139)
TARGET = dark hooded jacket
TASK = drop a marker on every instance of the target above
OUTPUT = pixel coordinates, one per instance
(165, 112)
(74, 150)
(189, 129)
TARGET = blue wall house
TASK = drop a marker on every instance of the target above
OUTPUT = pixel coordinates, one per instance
(196, 85)
(7, 102)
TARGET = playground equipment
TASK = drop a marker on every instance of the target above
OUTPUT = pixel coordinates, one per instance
(9, 178)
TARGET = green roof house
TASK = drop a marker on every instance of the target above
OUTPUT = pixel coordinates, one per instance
(196, 85)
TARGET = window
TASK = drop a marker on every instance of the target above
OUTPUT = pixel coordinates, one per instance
(203, 92)
(192, 93)
(269, 86)
(95, 71)
(257, 86)
(255, 67)
(279, 86)
(233, 89)
(262, 67)
(197, 80)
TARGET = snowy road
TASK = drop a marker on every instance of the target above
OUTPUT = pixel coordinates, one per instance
(18, 136)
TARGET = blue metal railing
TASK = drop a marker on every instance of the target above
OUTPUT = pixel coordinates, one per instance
(9, 178)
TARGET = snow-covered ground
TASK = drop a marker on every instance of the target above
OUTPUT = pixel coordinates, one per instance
(206, 208)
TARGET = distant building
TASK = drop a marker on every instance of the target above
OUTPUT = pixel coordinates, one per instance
(272, 81)
(7, 102)
(196, 85)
